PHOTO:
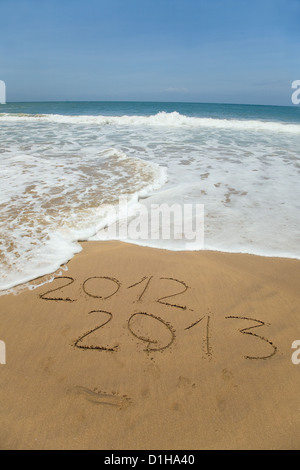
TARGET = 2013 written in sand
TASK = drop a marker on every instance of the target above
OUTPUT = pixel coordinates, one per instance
(105, 287)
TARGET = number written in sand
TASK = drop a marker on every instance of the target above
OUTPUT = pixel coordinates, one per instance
(109, 286)
(207, 342)
(139, 325)
(248, 331)
(145, 284)
(106, 287)
(62, 285)
(142, 325)
(81, 342)
(183, 289)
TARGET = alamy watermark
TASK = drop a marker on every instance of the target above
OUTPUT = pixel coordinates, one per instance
(2, 92)
(155, 222)
(296, 94)
(296, 354)
(2, 353)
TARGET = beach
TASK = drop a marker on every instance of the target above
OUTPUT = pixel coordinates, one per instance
(149, 228)
(149, 281)
(139, 348)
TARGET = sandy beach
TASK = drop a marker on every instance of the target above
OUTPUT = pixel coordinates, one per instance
(137, 348)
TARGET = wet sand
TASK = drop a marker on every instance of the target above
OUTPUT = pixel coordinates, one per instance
(136, 348)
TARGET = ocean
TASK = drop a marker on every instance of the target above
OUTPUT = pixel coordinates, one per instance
(62, 164)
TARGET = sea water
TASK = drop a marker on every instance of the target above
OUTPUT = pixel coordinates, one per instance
(63, 164)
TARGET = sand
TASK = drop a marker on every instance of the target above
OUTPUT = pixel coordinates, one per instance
(136, 348)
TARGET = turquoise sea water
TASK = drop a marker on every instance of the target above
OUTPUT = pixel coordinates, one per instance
(107, 108)
(63, 164)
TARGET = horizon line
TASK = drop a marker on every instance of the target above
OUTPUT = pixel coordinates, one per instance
(150, 101)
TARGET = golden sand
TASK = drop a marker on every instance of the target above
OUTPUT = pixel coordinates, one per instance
(136, 348)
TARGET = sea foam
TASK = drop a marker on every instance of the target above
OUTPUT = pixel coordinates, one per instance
(174, 119)
(59, 173)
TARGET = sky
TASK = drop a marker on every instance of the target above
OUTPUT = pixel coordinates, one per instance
(216, 51)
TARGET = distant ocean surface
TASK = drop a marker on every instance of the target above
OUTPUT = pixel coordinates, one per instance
(61, 164)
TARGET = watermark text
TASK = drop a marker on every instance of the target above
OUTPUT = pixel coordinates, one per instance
(155, 222)
(2, 92)
(2, 353)
(296, 354)
(296, 94)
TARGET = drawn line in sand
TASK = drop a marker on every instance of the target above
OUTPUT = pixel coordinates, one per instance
(207, 342)
(162, 299)
(194, 324)
(145, 289)
(59, 299)
(111, 279)
(150, 341)
(92, 347)
(101, 398)
(247, 331)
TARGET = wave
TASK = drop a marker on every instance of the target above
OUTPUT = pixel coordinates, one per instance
(174, 119)
(59, 202)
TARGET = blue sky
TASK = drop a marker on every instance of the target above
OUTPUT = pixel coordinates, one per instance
(230, 51)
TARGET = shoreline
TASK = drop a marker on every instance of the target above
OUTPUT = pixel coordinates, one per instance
(49, 277)
(142, 348)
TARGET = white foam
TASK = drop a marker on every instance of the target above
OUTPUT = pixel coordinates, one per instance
(163, 119)
(54, 203)
(58, 174)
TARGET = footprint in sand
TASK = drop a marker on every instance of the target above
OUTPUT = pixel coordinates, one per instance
(99, 398)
